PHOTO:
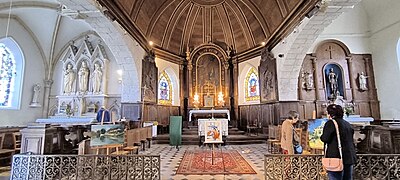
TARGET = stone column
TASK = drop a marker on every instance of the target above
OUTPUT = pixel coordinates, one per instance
(46, 101)
(351, 77)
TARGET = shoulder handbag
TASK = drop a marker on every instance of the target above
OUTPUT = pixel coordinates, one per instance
(334, 164)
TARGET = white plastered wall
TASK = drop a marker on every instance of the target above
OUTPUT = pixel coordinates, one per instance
(33, 73)
(244, 68)
(173, 72)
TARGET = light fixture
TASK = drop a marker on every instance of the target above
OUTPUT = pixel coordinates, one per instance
(221, 98)
(196, 99)
(263, 43)
(151, 43)
(120, 72)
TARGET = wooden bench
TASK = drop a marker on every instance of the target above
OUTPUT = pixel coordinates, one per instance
(5, 154)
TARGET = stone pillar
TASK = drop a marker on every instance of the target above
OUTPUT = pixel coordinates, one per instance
(351, 77)
(46, 101)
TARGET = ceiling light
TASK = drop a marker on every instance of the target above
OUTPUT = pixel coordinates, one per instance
(151, 43)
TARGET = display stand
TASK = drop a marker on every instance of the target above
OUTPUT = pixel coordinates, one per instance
(213, 154)
(107, 147)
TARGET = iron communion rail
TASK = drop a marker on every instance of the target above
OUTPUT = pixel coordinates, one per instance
(80, 167)
(368, 167)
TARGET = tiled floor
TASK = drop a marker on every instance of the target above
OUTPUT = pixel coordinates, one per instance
(171, 157)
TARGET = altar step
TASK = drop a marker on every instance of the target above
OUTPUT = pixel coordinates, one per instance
(235, 137)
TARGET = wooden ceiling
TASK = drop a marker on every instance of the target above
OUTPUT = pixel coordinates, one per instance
(176, 25)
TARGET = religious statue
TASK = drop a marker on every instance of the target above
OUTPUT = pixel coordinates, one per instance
(83, 77)
(97, 79)
(308, 80)
(35, 97)
(69, 79)
(268, 81)
(362, 79)
(333, 81)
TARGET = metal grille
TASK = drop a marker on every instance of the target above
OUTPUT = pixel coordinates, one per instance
(74, 167)
(368, 167)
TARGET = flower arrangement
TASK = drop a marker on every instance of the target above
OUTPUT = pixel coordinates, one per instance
(348, 109)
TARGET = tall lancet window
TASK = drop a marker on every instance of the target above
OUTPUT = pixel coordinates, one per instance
(252, 92)
(165, 89)
(11, 66)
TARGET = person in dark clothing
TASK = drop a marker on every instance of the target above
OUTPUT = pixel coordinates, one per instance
(329, 137)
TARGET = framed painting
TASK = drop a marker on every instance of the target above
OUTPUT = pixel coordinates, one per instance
(106, 135)
(315, 127)
(212, 131)
(208, 100)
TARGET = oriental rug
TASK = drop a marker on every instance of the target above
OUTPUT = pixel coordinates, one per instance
(225, 162)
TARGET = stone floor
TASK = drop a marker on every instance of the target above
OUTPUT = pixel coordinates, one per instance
(171, 157)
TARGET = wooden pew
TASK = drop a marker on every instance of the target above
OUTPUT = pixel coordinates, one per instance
(5, 154)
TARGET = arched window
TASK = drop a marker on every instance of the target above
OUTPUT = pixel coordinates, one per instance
(11, 68)
(252, 92)
(164, 89)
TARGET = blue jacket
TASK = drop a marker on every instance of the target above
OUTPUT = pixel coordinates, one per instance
(100, 114)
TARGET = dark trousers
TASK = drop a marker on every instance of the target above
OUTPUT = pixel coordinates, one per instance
(346, 174)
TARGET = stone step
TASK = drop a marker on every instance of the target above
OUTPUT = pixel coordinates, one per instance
(231, 139)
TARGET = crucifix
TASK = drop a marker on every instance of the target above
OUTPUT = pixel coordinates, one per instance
(330, 51)
(144, 89)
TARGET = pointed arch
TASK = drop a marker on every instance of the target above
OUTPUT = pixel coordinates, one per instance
(252, 85)
(165, 89)
(11, 74)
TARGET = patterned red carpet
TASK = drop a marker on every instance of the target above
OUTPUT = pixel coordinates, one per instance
(227, 162)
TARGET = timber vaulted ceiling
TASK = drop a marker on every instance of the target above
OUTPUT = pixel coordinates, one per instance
(176, 25)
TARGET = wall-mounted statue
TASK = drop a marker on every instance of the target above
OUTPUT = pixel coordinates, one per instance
(308, 80)
(362, 80)
(97, 78)
(83, 77)
(333, 81)
(69, 79)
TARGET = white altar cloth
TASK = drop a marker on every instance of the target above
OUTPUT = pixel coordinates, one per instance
(211, 111)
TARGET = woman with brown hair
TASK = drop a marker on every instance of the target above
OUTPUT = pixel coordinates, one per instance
(288, 134)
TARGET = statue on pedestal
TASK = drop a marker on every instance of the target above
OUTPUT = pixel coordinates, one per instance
(333, 82)
(97, 79)
(35, 97)
(69, 79)
(308, 79)
(362, 79)
(83, 77)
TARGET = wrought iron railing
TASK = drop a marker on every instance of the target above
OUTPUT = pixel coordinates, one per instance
(79, 167)
(368, 167)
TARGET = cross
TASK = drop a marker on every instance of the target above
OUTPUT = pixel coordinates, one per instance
(330, 51)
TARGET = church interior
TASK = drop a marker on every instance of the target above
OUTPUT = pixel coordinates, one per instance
(194, 89)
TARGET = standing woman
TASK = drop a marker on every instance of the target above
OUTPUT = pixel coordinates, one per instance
(287, 133)
(329, 138)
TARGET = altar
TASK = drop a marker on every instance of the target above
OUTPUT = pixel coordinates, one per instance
(209, 111)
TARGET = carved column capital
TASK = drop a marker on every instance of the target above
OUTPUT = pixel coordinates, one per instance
(48, 83)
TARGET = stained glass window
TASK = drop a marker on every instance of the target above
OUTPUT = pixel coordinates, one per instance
(11, 65)
(252, 92)
(164, 89)
(7, 73)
